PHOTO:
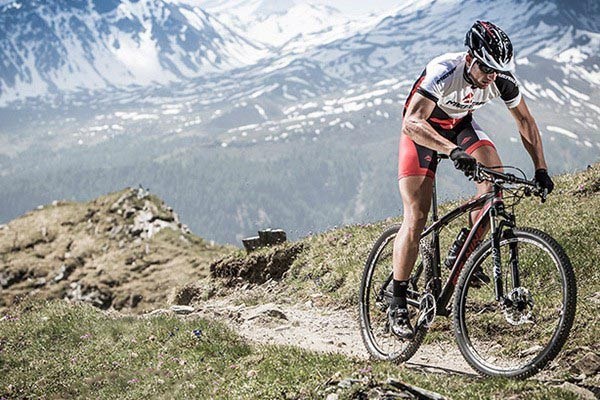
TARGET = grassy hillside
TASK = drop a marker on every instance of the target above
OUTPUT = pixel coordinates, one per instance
(125, 250)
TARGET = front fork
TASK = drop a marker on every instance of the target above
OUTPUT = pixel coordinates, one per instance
(499, 230)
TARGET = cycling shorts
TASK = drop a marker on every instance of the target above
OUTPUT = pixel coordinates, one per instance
(414, 159)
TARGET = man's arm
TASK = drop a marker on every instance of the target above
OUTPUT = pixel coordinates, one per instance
(417, 128)
(530, 134)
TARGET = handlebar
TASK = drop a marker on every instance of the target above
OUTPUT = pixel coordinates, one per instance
(482, 173)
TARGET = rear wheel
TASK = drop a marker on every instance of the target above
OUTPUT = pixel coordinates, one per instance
(520, 334)
(375, 297)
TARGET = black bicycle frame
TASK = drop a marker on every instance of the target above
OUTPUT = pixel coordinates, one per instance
(491, 206)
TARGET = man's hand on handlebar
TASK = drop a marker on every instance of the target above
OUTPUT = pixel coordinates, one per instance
(463, 161)
(543, 180)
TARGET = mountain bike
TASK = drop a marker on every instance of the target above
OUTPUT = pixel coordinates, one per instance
(511, 325)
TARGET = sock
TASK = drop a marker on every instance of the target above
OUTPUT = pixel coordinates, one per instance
(399, 289)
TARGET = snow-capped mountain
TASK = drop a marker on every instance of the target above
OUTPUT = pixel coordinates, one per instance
(66, 45)
(290, 25)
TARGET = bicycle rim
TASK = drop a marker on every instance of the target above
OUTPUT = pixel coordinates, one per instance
(518, 340)
(375, 296)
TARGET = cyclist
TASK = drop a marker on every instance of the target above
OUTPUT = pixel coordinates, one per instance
(438, 118)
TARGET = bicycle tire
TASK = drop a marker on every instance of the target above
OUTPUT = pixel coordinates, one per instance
(544, 267)
(372, 316)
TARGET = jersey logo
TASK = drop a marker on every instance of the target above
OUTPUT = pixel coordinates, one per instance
(447, 74)
(468, 98)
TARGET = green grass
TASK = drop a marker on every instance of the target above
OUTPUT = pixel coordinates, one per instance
(60, 350)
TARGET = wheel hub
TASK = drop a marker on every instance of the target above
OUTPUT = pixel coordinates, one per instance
(518, 307)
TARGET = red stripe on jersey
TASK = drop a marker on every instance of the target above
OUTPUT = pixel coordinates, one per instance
(412, 92)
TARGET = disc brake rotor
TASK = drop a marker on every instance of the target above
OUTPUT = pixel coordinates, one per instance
(518, 307)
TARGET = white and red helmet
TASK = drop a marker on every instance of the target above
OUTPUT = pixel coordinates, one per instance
(490, 45)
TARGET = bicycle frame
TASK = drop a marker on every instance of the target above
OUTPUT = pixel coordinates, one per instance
(490, 206)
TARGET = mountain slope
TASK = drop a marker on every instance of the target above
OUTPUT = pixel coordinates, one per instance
(125, 250)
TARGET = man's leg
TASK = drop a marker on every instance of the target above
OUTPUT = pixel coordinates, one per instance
(416, 199)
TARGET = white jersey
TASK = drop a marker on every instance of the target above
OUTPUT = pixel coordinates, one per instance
(444, 81)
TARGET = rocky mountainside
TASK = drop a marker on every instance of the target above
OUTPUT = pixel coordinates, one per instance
(126, 250)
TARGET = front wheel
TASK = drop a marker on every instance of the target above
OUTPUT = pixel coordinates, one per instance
(521, 333)
(375, 297)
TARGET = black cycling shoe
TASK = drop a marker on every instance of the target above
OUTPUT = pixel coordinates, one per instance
(399, 321)
(479, 278)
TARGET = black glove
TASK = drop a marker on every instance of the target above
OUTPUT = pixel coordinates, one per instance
(542, 179)
(463, 161)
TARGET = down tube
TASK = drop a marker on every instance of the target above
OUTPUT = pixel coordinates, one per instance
(474, 238)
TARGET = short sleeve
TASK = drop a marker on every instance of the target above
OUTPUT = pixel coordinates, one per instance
(509, 89)
(436, 74)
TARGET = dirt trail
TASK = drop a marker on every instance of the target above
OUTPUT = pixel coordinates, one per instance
(320, 329)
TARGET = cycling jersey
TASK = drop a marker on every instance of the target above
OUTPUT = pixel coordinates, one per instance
(445, 81)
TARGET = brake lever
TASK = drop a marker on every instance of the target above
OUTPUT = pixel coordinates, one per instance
(544, 195)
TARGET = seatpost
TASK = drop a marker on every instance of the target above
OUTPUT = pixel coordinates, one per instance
(434, 207)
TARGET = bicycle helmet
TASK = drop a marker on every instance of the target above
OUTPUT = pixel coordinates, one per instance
(490, 45)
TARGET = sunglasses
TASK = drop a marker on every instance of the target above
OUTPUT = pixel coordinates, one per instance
(487, 70)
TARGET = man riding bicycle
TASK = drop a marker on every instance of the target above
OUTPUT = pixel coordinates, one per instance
(438, 118)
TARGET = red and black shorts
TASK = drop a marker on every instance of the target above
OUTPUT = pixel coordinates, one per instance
(414, 159)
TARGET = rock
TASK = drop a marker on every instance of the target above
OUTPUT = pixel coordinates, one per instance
(531, 351)
(160, 311)
(347, 383)
(328, 341)
(594, 298)
(581, 393)
(281, 328)
(332, 396)
(64, 272)
(92, 294)
(251, 373)
(588, 364)
(420, 393)
(182, 310)
(268, 310)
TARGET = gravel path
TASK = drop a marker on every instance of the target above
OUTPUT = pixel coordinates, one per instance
(321, 330)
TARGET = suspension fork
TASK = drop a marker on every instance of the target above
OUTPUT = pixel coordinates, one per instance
(513, 258)
(503, 229)
(496, 259)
